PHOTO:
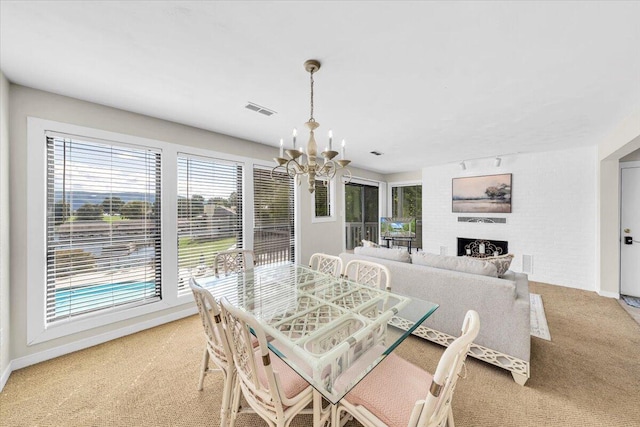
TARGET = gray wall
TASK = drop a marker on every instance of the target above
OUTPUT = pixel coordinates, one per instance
(24, 102)
(326, 237)
(4, 230)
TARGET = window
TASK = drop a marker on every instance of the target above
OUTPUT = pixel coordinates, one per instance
(209, 214)
(103, 230)
(361, 203)
(406, 202)
(323, 201)
(273, 205)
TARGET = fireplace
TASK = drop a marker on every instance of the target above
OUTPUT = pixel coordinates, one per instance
(481, 248)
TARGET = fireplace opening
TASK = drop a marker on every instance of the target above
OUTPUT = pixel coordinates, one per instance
(482, 248)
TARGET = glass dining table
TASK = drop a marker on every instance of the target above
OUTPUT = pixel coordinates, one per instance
(330, 330)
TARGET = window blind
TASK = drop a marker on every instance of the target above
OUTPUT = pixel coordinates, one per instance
(103, 226)
(209, 214)
(322, 199)
(274, 234)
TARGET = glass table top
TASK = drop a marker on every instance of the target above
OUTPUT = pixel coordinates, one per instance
(332, 331)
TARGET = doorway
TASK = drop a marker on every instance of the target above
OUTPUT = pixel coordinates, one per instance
(361, 214)
(630, 229)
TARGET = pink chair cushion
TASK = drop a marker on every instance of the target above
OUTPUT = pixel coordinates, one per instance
(391, 390)
(292, 384)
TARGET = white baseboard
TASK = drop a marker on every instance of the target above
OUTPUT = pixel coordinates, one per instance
(608, 294)
(5, 375)
(95, 340)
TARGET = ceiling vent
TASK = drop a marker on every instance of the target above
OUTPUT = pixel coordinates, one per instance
(259, 109)
(376, 153)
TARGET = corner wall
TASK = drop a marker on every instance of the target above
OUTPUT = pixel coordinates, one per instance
(553, 219)
(5, 325)
(325, 237)
(623, 140)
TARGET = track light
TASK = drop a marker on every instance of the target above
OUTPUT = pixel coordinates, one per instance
(498, 161)
(463, 166)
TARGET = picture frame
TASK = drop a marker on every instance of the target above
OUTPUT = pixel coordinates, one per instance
(481, 194)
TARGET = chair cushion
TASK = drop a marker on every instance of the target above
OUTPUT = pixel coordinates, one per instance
(292, 384)
(391, 390)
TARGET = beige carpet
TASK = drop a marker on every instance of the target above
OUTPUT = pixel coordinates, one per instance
(589, 375)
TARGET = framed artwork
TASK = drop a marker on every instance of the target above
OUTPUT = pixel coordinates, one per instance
(481, 194)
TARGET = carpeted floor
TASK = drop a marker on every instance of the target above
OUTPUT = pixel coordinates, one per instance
(589, 375)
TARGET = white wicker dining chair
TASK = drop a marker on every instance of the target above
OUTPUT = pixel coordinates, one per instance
(368, 273)
(233, 260)
(271, 388)
(393, 394)
(329, 264)
(217, 349)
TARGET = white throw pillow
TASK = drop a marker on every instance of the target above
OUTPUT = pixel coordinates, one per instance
(502, 262)
(455, 263)
(369, 244)
(394, 254)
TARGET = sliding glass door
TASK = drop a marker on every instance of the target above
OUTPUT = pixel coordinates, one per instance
(361, 214)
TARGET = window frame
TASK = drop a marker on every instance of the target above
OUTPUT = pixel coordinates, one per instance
(172, 306)
(331, 200)
(183, 288)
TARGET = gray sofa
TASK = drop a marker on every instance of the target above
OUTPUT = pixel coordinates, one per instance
(502, 304)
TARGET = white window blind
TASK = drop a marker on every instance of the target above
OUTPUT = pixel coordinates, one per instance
(103, 226)
(209, 214)
(274, 234)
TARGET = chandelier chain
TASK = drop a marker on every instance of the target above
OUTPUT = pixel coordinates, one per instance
(311, 119)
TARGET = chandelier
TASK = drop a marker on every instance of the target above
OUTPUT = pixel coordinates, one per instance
(295, 166)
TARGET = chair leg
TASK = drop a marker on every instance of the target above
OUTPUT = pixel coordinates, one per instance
(227, 397)
(203, 367)
(450, 422)
(235, 404)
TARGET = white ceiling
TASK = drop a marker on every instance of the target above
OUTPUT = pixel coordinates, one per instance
(423, 82)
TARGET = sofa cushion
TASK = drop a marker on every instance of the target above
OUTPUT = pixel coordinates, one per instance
(393, 254)
(501, 262)
(455, 263)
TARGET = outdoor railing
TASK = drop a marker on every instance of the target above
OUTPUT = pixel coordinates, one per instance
(357, 231)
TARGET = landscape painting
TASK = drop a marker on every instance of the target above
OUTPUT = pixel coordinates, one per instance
(482, 194)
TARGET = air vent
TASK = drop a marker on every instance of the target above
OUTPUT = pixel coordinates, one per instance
(376, 153)
(259, 109)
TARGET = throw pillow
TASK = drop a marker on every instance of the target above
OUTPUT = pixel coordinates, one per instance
(393, 254)
(455, 263)
(501, 262)
(369, 244)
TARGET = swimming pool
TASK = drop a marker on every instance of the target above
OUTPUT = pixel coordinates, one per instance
(69, 302)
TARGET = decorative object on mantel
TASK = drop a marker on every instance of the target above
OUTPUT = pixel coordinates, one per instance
(482, 248)
(484, 194)
(482, 219)
(312, 168)
(538, 326)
